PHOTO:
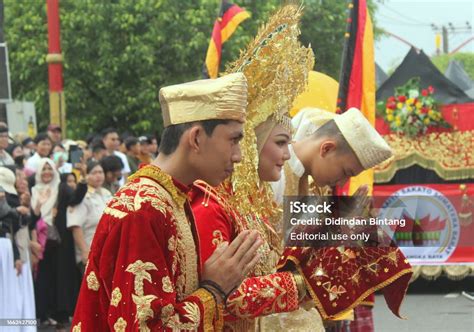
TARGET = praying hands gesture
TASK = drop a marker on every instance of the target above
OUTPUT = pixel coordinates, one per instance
(229, 265)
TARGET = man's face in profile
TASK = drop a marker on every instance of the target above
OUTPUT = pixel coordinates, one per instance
(219, 152)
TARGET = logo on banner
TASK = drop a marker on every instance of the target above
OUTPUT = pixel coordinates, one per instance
(431, 231)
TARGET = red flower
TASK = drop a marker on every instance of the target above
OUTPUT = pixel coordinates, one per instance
(424, 110)
(402, 99)
(424, 92)
(392, 105)
(391, 99)
(430, 89)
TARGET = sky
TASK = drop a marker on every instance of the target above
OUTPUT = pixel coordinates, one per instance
(411, 20)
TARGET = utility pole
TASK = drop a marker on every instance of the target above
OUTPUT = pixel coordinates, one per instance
(57, 104)
(446, 30)
(445, 40)
(3, 80)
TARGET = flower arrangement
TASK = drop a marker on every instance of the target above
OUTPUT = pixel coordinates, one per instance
(411, 111)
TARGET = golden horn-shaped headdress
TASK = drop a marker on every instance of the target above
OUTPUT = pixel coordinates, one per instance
(276, 66)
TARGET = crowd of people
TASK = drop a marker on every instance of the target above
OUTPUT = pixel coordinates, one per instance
(52, 194)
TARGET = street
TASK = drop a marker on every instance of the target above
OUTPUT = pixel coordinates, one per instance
(429, 306)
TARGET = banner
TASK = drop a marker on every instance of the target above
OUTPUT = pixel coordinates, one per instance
(439, 227)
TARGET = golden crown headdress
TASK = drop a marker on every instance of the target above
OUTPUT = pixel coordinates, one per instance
(276, 66)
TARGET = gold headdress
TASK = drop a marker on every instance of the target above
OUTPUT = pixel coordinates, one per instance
(276, 66)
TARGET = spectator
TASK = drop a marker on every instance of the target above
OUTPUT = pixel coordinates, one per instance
(145, 148)
(70, 194)
(16, 151)
(5, 158)
(83, 218)
(29, 147)
(55, 133)
(133, 152)
(98, 151)
(25, 290)
(111, 141)
(43, 202)
(10, 263)
(112, 167)
(44, 146)
(155, 144)
(60, 158)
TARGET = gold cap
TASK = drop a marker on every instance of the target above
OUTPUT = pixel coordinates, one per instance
(223, 98)
(367, 144)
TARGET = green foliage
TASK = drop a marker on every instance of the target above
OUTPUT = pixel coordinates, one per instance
(466, 59)
(119, 52)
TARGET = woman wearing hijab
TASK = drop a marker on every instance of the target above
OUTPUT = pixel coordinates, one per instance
(276, 67)
(44, 198)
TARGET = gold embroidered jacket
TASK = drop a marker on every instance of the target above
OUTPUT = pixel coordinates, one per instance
(143, 269)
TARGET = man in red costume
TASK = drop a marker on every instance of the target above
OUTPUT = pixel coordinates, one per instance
(143, 271)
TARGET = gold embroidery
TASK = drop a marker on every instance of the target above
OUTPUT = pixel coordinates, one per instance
(115, 213)
(139, 269)
(120, 325)
(318, 272)
(92, 282)
(163, 179)
(116, 297)
(77, 327)
(192, 313)
(144, 310)
(166, 312)
(267, 292)
(167, 286)
(187, 281)
(217, 238)
(333, 290)
(172, 243)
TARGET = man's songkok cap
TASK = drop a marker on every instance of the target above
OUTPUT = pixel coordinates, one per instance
(367, 144)
(223, 98)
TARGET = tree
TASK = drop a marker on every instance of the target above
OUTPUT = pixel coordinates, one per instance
(119, 52)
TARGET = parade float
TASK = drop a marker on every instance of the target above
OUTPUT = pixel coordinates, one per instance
(429, 123)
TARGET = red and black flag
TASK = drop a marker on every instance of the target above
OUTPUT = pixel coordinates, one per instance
(229, 19)
(357, 78)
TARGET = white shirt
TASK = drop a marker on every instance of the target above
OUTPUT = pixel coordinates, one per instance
(126, 166)
(87, 214)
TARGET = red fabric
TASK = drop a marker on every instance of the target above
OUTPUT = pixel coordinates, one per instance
(229, 14)
(341, 278)
(215, 224)
(354, 96)
(363, 319)
(137, 228)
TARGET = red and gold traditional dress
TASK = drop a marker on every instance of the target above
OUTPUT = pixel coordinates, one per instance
(143, 268)
(276, 66)
(265, 291)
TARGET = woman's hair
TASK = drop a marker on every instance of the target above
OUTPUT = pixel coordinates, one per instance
(42, 137)
(64, 176)
(91, 165)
